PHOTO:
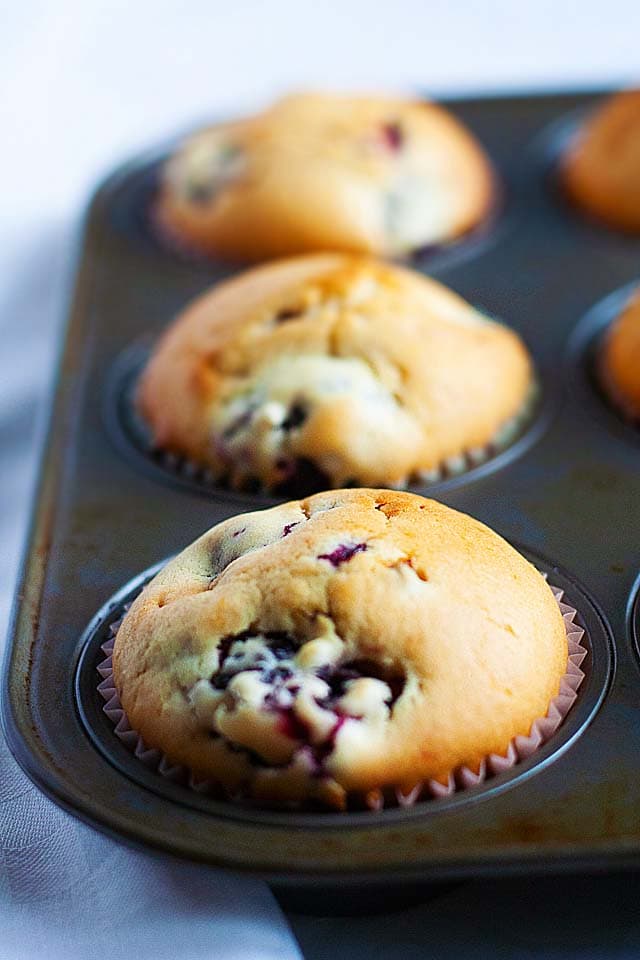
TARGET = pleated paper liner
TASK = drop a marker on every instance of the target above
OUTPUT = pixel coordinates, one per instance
(422, 258)
(311, 480)
(463, 778)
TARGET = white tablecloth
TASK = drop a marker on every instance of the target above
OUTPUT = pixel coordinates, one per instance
(84, 84)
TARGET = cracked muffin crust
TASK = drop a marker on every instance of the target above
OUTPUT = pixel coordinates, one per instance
(321, 172)
(601, 169)
(619, 361)
(324, 648)
(330, 370)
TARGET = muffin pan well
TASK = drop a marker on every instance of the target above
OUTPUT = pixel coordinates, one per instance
(595, 665)
(582, 359)
(133, 439)
(132, 213)
(103, 515)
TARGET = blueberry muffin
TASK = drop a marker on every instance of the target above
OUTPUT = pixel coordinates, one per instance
(318, 172)
(619, 362)
(601, 169)
(331, 370)
(354, 641)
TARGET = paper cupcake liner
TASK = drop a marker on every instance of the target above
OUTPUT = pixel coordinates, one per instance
(520, 748)
(508, 433)
(453, 466)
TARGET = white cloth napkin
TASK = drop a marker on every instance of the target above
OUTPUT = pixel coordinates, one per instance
(68, 893)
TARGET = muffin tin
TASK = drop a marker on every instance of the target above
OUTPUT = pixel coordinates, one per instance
(567, 492)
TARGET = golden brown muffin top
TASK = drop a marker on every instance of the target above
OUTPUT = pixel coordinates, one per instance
(327, 172)
(372, 372)
(352, 640)
(602, 166)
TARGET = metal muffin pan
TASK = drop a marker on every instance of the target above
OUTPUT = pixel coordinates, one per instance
(104, 515)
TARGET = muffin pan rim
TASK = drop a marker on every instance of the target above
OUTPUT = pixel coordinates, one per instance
(580, 363)
(633, 617)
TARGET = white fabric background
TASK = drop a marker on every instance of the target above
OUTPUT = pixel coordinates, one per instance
(83, 84)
